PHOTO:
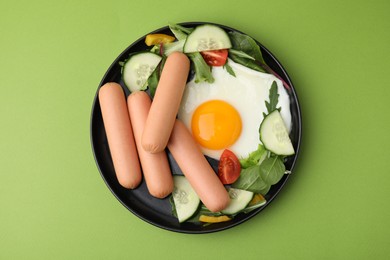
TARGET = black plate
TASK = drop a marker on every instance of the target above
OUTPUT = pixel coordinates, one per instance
(139, 201)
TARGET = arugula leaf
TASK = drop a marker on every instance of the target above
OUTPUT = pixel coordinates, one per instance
(250, 180)
(272, 170)
(202, 70)
(229, 69)
(273, 98)
(254, 158)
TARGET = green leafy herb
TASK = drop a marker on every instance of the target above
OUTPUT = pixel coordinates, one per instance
(155, 77)
(240, 54)
(243, 44)
(156, 49)
(173, 46)
(202, 70)
(153, 82)
(246, 62)
(272, 170)
(250, 180)
(265, 190)
(247, 45)
(254, 158)
(179, 31)
(229, 69)
(273, 98)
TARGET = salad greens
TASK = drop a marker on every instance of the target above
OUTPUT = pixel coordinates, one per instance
(245, 51)
(255, 157)
(261, 168)
(272, 170)
(179, 31)
(202, 70)
(229, 69)
(273, 98)
(251, 180)
(155, 77)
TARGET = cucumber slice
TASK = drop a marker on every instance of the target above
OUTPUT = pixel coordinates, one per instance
(138, 68)
(274, 135)
(207, 37)
(185, 199)
(238, 200)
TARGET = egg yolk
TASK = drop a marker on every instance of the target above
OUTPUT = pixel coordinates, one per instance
(216, 125)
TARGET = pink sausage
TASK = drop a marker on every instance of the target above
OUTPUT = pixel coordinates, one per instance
(120, 135)
(166, 103)
(155, 167)
(196, 169)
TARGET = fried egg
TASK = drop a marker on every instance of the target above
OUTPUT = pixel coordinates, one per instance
(227, 113)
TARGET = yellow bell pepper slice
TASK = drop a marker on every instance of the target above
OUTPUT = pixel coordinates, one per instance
(257, 198)
(157, 38)
(213, 219)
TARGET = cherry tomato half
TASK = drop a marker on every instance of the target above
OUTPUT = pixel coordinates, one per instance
(215, 57)
(229, 167)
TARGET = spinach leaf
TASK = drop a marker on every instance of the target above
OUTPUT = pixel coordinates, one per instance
(243, 44)
(202, 70)
(250, 180)
(254, 158)
(246, 44)
(265, 190)
(246, 62)
(240, 54)
(245, 51)
(272, 170)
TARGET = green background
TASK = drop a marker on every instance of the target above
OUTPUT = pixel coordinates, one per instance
(53, 202)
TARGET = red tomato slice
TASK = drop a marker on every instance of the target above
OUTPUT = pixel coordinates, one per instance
(229, 167)
(215, 57)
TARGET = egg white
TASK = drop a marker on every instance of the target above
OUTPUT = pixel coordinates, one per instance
(246, 92)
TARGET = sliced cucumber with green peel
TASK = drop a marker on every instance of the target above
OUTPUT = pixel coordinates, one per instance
(185, 198)
(274, 135)
(138, 68)
(207, 37)
(238, 200)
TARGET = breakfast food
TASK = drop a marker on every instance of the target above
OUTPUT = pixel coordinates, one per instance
(214, 99)
(120, 135)
(166, 103)
(227, 113)
(155, 167)
(196, 169)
